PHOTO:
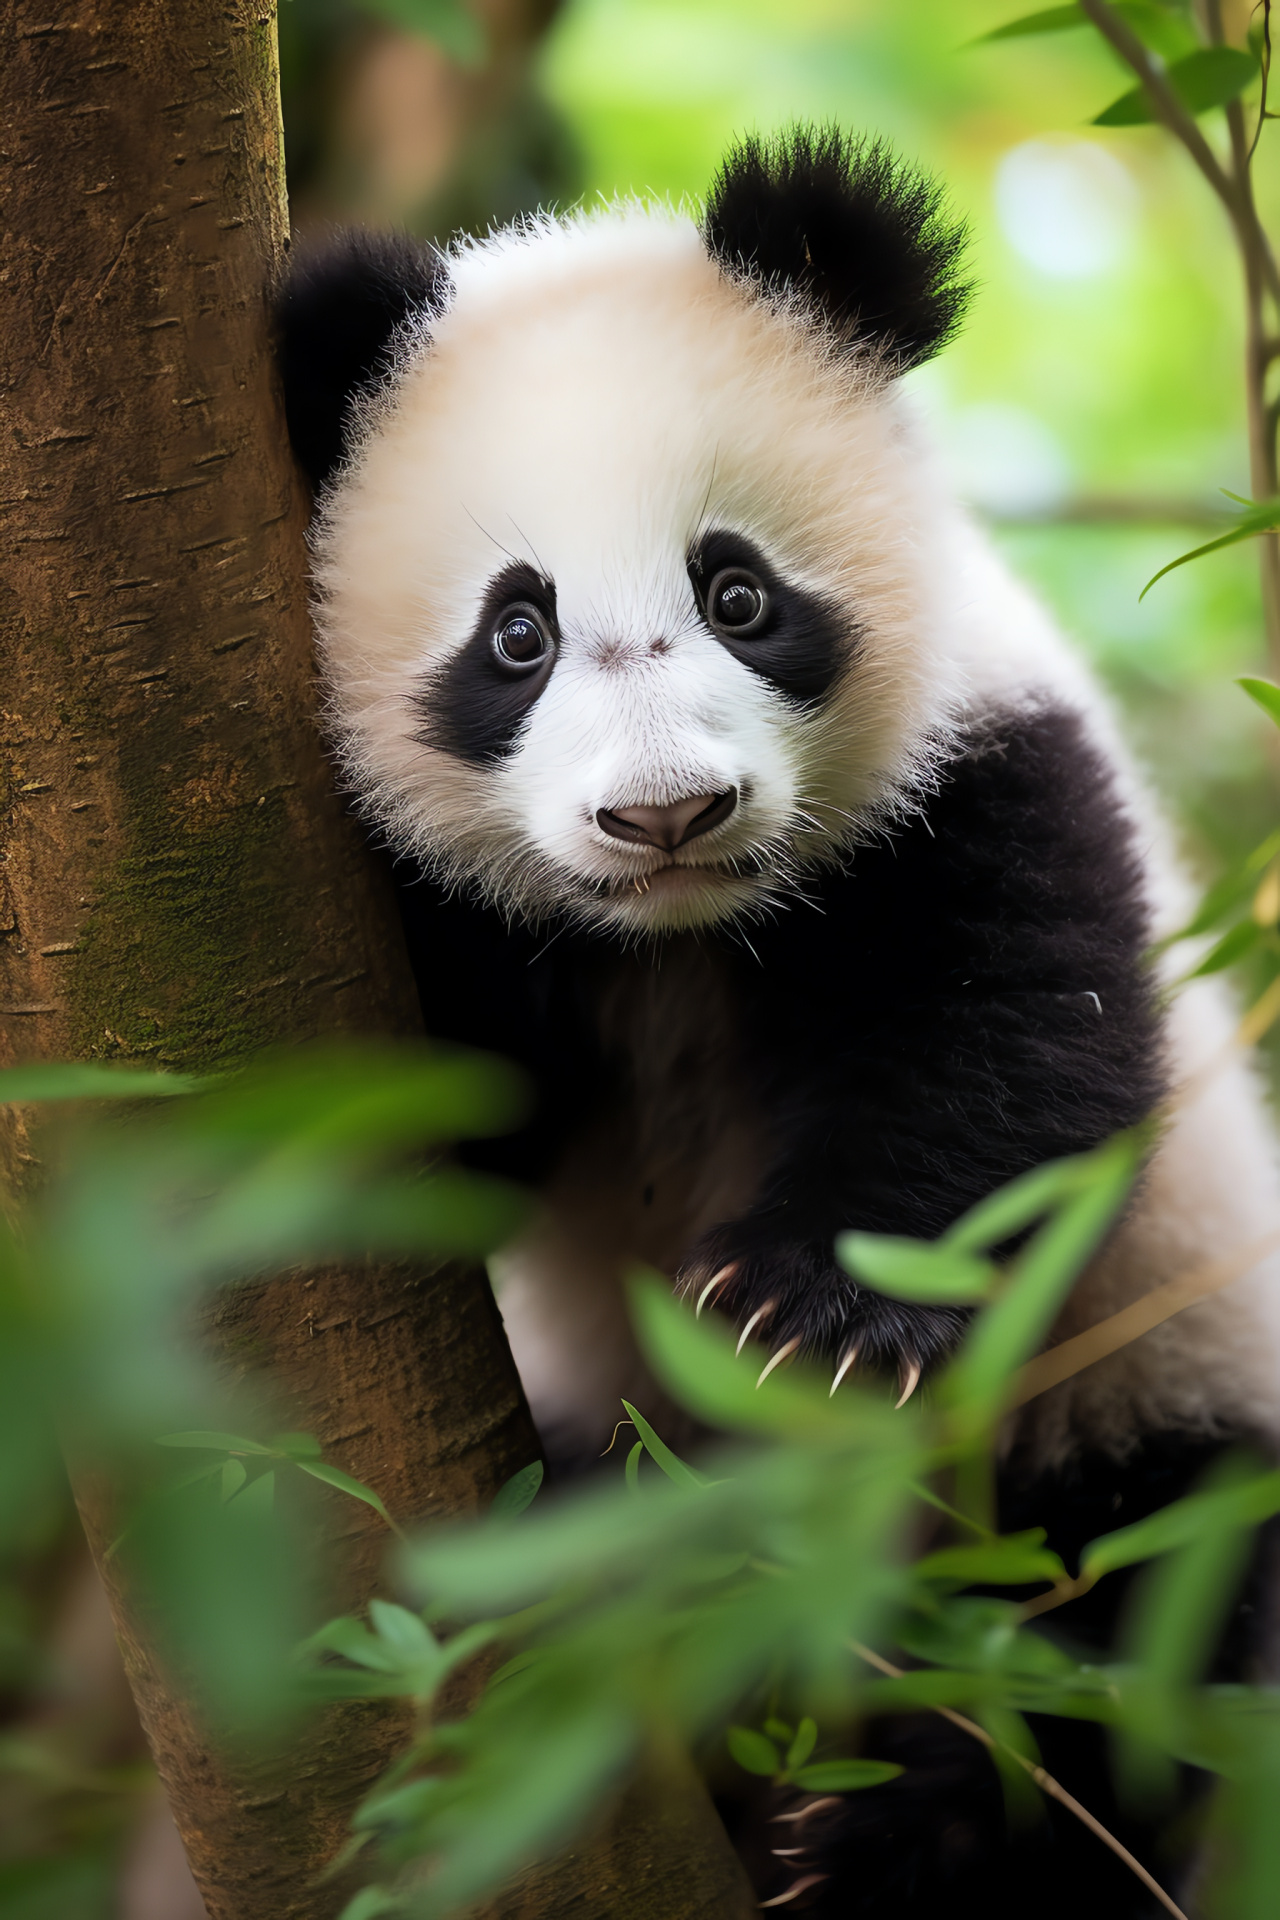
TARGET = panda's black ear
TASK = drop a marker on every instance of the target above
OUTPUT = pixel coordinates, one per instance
(841, 223)
(337, 310)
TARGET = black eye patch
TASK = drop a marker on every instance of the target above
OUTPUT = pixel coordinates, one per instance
(474, 705)
(794, 639)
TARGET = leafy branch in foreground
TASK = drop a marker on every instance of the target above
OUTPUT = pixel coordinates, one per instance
(690, 1605)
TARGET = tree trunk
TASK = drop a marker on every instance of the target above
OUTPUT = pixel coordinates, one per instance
(179, 884)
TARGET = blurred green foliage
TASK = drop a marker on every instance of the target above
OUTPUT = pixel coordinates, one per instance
(320, 1155)
(668, 1606)
(730, 1605)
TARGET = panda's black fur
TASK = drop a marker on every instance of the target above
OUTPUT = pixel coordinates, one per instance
(956, 994)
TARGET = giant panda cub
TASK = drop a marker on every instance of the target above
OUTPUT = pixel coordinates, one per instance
(744, 797)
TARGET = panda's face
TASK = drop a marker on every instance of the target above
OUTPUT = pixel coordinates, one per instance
(623, 611)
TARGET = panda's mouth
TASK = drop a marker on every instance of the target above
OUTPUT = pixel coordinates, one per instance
(674, 873)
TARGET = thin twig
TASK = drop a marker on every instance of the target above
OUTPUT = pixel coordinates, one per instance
(1122, 509)
(1164, 101)
(1140, 1316)
(1266, 78)
(1045, 1781)
(1234, 188)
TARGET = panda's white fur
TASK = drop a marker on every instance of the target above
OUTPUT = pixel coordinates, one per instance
(596, 390)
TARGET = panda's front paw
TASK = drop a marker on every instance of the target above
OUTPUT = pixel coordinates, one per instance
(793, 1300)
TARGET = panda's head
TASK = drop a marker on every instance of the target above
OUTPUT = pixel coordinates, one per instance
(625, 593)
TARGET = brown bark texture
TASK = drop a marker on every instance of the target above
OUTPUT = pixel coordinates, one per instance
(178, 882)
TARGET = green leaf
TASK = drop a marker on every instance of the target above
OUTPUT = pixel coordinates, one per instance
(1150, 21)
(1047, 20)
(1178, 1525)
(633, 1466)
(845, 1776)
(921, 1270)
(1013, 1208)
(753, 1751)
(75, 1082)
(296, 1446)
(1207, 78)
(214, 1442)
(806, 1739)
(1265, 692)
(1233, 946)
(928, 1687)
(371, 1903)
(1014, 1325)
(335, 1477)
(672, 1465)
(353, 1640)
(1264, 518)
(1007, 1562)
(452, 27)
(232, 1475)
(518, 1492)
(409, 1638)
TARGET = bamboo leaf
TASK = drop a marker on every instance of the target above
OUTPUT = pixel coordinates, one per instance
(1178, 1525)
(1008, 1562)
(232, 1476)
(1006, 1332)
(916, 1269)
(296, 1446)
(1047, 20)
(845, 1776)
(1263, 518)
(518, 1492)
(672, 1465)
(371, 1903)
(1265, 693)
(1207, 78)
(806, 1739)
(1233, 946)
(335, 1477)
(214, 1442)
(753, 1752)
(1151, 22)
(87, 1082)
(1013, 1208)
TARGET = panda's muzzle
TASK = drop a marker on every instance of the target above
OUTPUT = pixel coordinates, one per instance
(671, 826)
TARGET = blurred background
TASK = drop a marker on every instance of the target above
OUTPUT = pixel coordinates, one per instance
(1091, 412)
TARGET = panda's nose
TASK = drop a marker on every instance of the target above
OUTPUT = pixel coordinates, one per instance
(670, 826)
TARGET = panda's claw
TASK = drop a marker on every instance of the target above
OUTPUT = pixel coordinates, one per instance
(761, 1313)
(851, 1354)
(797, 1887)
(908, 1380)
(714, 1285)
(783, 1353)
(802, 1813)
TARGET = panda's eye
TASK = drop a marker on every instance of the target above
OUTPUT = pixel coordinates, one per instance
(522, 638)
(737, 603)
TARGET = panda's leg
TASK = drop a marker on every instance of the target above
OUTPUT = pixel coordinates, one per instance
(970, 1001)
(561, 1290)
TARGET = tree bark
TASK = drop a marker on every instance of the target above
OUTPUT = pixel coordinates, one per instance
(178, 882)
